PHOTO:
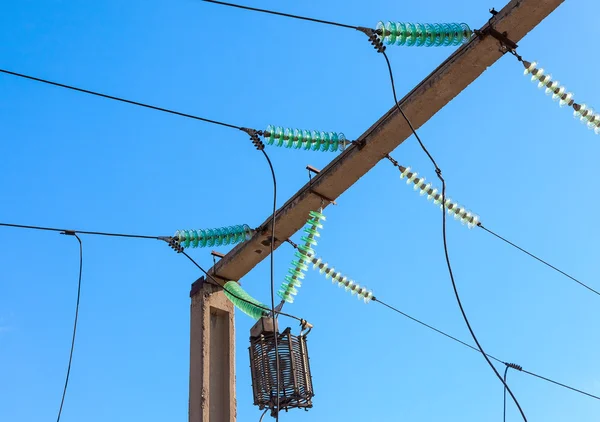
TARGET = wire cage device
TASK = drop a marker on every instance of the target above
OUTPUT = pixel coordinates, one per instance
(295, 381)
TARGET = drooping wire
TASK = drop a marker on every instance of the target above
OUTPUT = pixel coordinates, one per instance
(424, 324)
(120, 99)
(438, 172)
(287, 15)
(504, 389)
(62, 400)
(214, 282)
(263, 415)
(540, 260)
(273, 315)
(53, 229)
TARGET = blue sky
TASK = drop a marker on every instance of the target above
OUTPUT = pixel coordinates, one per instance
(71, 160)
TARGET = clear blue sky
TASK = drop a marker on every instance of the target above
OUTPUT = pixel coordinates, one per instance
(507, 152)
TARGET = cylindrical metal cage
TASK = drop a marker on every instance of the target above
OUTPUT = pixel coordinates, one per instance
(295, 381)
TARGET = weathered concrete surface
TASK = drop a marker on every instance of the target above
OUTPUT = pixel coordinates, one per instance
(212, 357)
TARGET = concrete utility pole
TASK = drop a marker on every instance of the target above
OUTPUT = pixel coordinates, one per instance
(212, 316)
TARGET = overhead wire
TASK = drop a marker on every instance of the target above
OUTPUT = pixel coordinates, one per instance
(438, 172)
(540, 259)
(273, 315)
(133, 236)
(432, 328)
(288, 15)
(62, 400)
(120, 99)
(136, 236)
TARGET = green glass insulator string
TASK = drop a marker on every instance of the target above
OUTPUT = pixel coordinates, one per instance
(243, 301)
(424, 34)
(295, 275)
(313, 140)
(342, 281)
(213, 237)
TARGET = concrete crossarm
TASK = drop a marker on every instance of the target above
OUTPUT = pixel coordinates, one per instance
(517, 18)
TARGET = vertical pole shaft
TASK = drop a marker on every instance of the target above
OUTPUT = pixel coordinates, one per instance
(212, 355)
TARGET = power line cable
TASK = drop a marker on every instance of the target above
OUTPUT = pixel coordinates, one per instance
(273, 315)
(288, 15)
(62, 401)
(519, 368)
(504, 389)
(380, 48)
(134, 236)
(120, 99)
(540, 260)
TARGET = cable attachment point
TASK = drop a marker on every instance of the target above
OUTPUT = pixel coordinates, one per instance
(374, 38)
(394, 162)
(514, 366)
(294, 245)
(68, 232)
(305, 325)
(254, 137)
(174, 244)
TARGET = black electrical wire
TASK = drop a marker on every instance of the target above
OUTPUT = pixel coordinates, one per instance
(540, 259)
(123, 100)
(504, 412)
(263, 415)
(216, 283)
(273, 277)
(134, 236)
(418, 321)
(287, 15)
(561, 384)
(62, 401)
(438, 172)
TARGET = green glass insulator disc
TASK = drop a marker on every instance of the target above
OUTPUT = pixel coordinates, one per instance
(300, 265)
(421, 34)
(186, 243)
(392, 31)
(335, 141)
(312, 231)
(316, 139)
(411, 34)
(296, 273)
(271, 135)
(218, 236)
(194, 239)
(210, 237)
(289, 135)
(317, 215)
(429, 35)
(297, 138)
(325, 141)
(402, 33)
(279, 136)
(309, 240)
(467, 33)
(307, 139)
(342, 140)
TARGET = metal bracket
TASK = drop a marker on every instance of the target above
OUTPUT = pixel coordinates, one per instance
(323, 197)
(506, 42)
(254, 137)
